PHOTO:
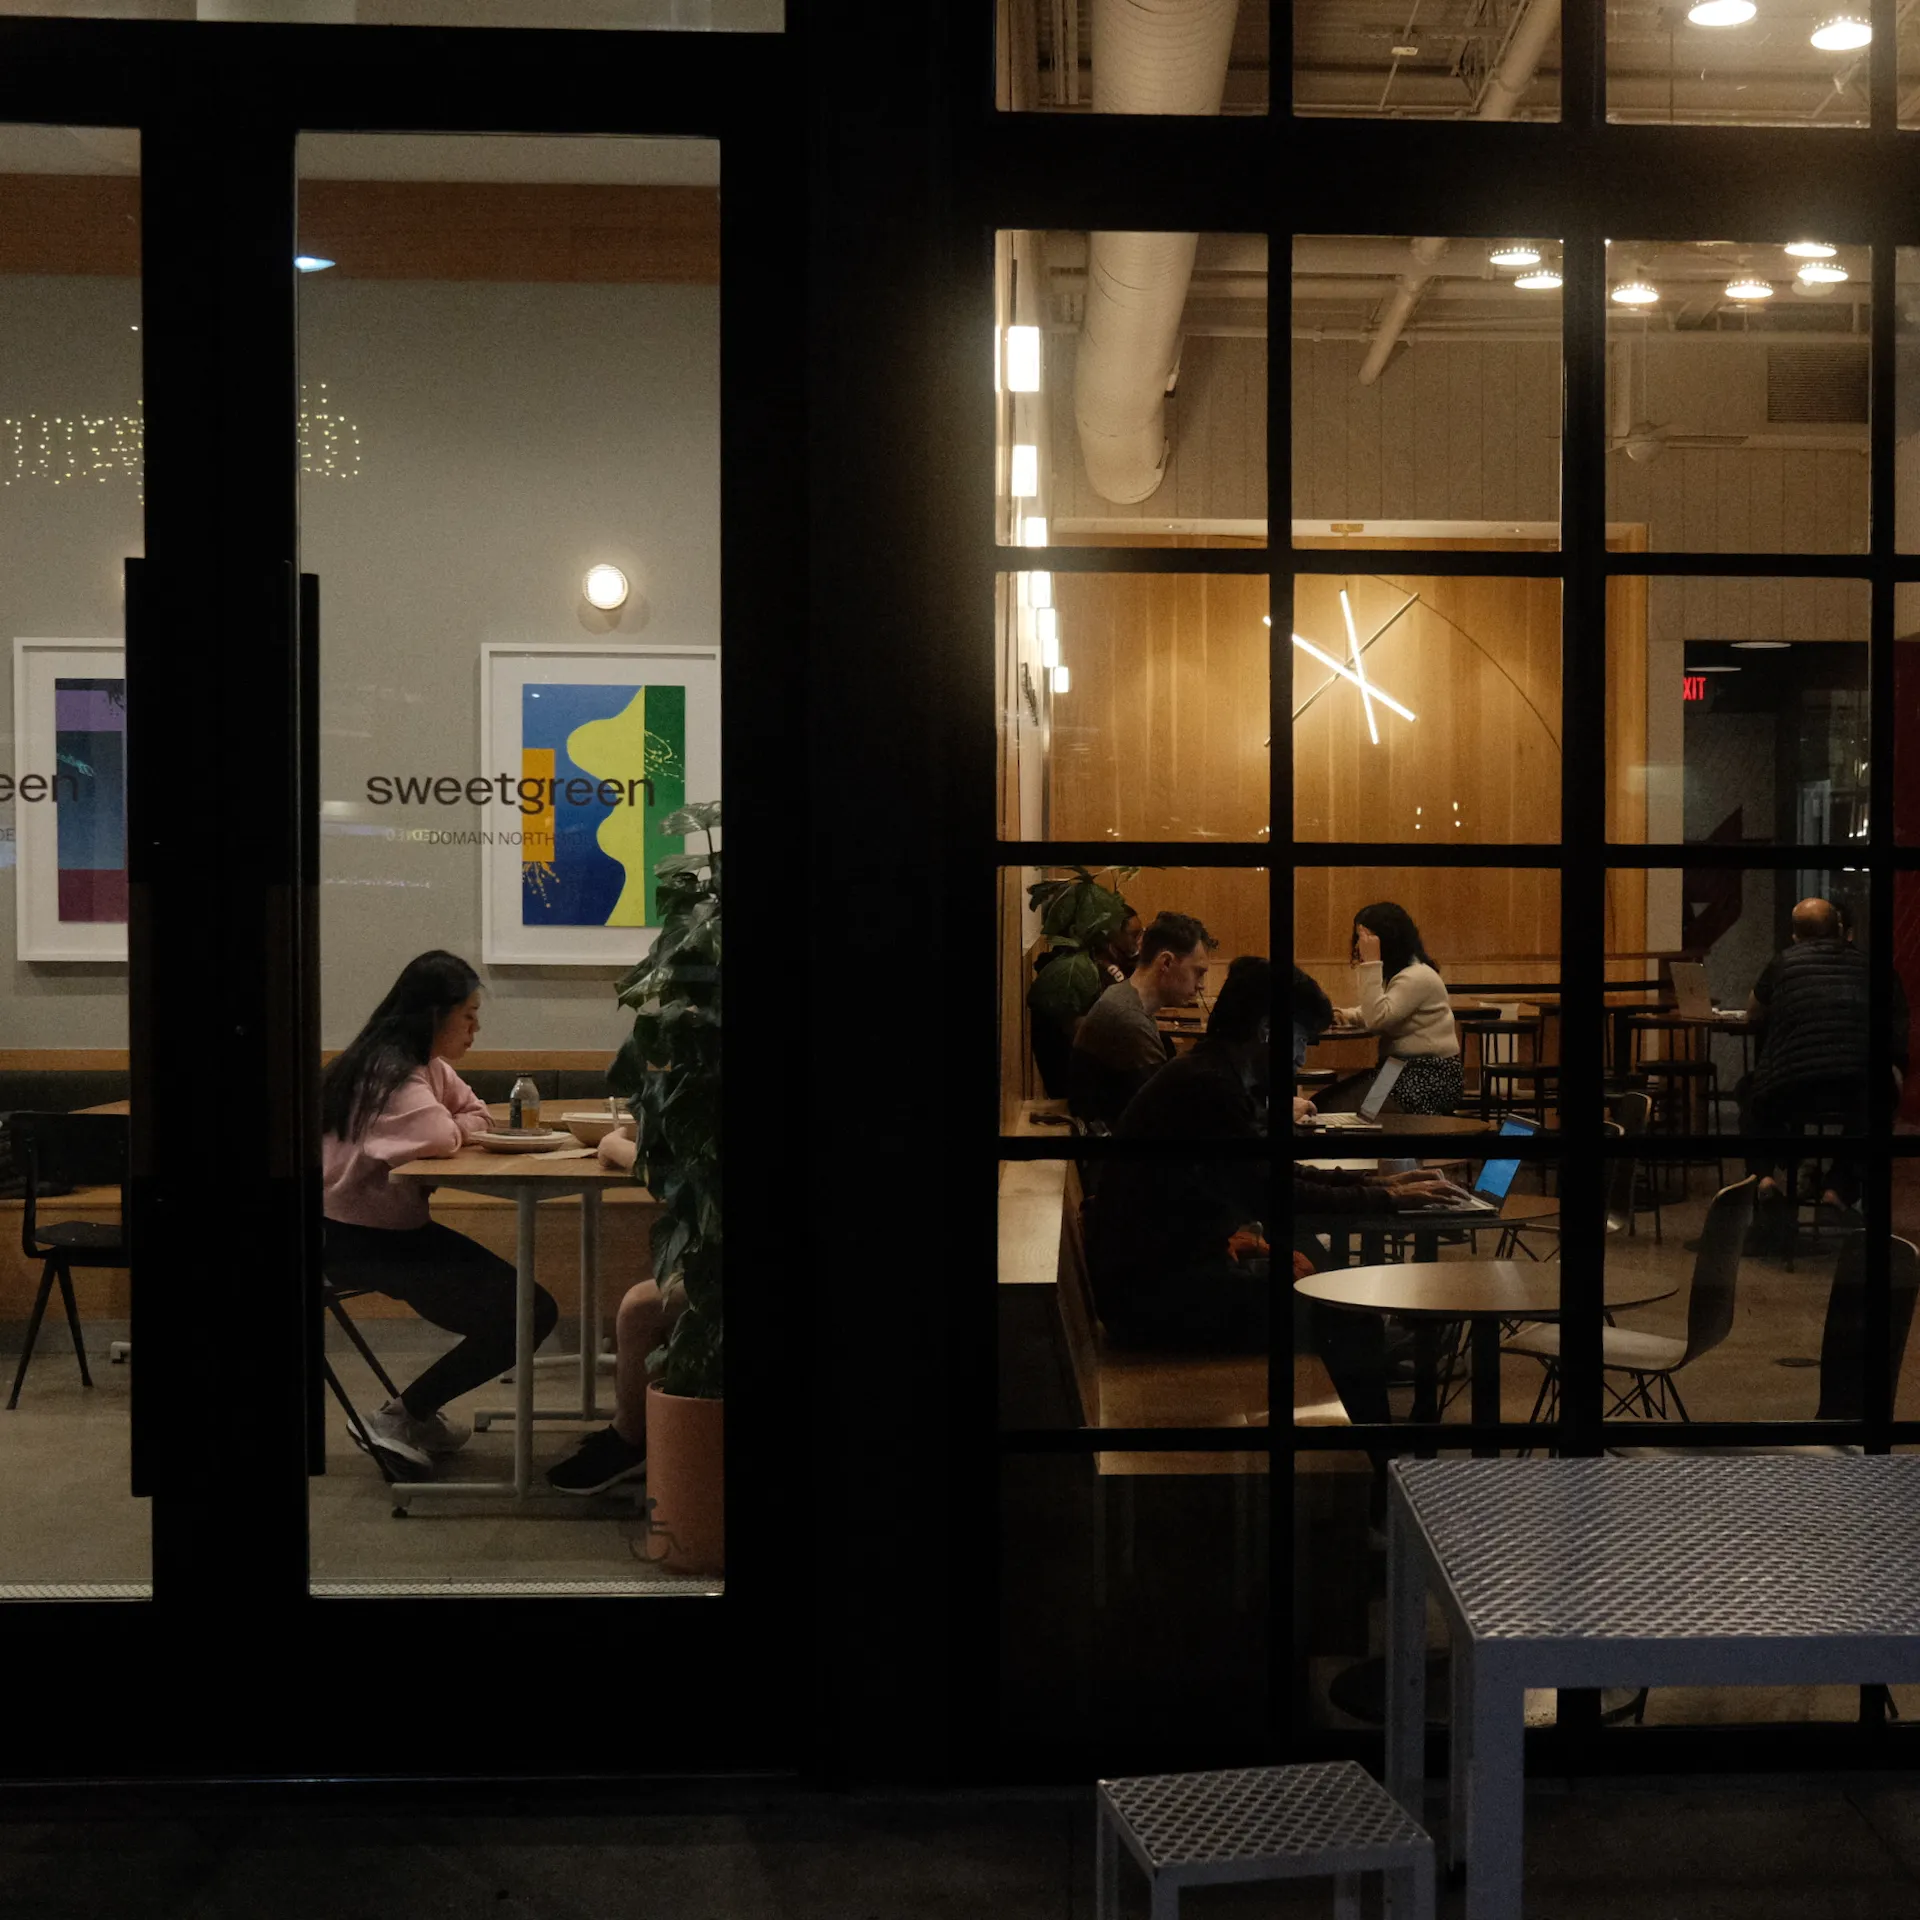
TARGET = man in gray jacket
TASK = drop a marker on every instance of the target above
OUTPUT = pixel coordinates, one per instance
(1118, 1046)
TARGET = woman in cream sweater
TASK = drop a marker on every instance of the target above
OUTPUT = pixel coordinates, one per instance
(1404, 1000)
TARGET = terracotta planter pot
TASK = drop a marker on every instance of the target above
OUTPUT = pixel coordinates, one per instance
(686, 1458)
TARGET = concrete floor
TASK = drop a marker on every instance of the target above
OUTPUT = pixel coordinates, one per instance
(1822, 1849)
(63, 1456)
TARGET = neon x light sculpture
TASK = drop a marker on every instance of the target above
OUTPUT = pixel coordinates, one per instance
(1355, 670)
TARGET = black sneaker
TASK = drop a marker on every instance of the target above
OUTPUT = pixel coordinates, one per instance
(604, 1460)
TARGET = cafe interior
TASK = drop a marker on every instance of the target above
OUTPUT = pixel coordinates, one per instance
(510, 484)
(1424, 697)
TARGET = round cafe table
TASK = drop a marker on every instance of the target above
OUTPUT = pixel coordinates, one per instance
(1484, 1293)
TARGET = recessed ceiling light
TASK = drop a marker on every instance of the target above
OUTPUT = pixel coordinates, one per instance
(1513, 253)
(1821, 273)
(1810, 250)
(311, 263)
(1842, 33)
(1748, 288)
(1406, 50)
(1635, 293)
(1541, 280)
(1761, 646)
(1721, 13)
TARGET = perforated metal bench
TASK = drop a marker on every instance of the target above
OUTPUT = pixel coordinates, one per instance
(1261, 1823)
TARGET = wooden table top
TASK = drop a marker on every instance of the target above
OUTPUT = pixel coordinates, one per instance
(1467, 1289)
(1403, 1123)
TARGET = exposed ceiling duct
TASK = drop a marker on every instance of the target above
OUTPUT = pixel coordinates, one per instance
(1159, 57)
(1506, 87)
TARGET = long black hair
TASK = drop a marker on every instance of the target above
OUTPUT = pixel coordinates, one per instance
(396, 1041)
(1399, 937)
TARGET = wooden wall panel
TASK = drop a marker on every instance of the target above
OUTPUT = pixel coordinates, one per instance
(400, 229)
(1163, 734)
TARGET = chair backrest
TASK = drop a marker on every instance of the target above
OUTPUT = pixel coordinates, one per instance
(1632, 1110)
(1619, 1185)
(1843, 1339)
(1716, 1268)
(66, 1150)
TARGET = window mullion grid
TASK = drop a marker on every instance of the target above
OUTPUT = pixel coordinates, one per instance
(1287, 1713)
(1583, 799)
(1877, 1201)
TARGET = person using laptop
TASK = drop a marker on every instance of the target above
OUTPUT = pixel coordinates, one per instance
(1118, 1046)
(1160, 1233)
(1404, 1001)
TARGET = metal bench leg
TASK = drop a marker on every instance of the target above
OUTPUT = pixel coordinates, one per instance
(1346, 1896)
(1106, 1866)
(1495, 1794)
(1409, 1891)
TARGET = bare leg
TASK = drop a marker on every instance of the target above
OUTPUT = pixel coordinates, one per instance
(637, 1330)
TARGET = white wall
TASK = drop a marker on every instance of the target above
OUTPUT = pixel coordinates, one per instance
(508, 437)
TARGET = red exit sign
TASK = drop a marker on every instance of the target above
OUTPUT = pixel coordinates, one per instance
(1694, 686)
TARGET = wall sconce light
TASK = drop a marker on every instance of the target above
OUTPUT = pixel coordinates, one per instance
(1026, 471)
(1061, 680)
(311, 263)
(1046, 625)
(1033, 530)
(605, 587)
(1040, 589)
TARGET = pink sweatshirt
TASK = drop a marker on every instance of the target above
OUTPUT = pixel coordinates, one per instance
(432, 1113)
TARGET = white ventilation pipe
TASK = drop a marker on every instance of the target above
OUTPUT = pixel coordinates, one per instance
(1149, 56)
(1518, 64)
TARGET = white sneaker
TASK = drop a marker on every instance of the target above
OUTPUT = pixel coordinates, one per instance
(394, 1432)
(437, 1434)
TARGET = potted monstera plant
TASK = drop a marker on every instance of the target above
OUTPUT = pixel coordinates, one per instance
(669, 1069)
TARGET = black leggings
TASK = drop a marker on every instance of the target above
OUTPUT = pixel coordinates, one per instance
(449, 1280)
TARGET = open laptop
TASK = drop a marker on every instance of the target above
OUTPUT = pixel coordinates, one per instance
(1692, 1000)
(1492, 1183)
(1369, 1113)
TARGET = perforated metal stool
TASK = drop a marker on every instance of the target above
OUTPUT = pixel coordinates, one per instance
(1261, 1823)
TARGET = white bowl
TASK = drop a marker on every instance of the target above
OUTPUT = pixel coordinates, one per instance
(589, 1128)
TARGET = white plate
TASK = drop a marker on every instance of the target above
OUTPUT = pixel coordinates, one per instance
(530, 1143)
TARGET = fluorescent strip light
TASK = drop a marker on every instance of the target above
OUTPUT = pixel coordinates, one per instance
(1062, 680)
(1359, 668)
(1306, 646)
(1033, 530)
(1039, 589)
(1023, 359)
(1025, 482)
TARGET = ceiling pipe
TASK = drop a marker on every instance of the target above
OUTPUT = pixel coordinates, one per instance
(1159, 57)
(1502, 95)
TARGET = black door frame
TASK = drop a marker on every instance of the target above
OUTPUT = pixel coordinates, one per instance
(222, 989)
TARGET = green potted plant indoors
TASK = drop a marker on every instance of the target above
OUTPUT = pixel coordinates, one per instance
(1080, 919)
(669, 1071)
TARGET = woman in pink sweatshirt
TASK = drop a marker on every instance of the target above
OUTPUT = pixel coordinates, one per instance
(391, 1097)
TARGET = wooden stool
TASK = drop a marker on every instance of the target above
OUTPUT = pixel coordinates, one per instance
(1261, 1823)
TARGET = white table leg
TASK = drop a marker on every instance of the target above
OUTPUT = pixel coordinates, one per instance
(1106, 1866)
(1496, 1792)
(1459, 1746)
(523, 1283)
(589, 1303)
(1406, 1631)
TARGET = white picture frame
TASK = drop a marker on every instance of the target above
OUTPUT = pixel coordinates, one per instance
(39, 931)
(507, 670)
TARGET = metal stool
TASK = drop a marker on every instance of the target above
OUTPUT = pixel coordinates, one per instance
(1261, 1823)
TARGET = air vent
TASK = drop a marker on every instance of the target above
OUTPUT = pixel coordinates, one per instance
(1817, 386)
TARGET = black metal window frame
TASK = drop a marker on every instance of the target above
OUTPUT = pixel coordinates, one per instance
(219, 110)
(1585, 181)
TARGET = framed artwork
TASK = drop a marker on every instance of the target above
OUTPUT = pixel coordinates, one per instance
(586, 750)
(68, 790)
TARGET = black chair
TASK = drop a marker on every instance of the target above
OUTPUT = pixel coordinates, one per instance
(391, 1466)
(57, 1153)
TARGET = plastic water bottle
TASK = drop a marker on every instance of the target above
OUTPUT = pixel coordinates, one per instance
(523, 1105)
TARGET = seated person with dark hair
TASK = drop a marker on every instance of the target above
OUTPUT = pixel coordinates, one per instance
(1157, 1234)
(1816, 1060)
(1118, 1045)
